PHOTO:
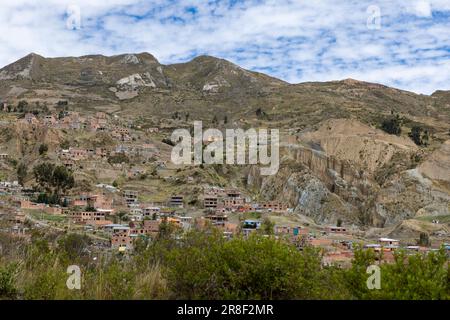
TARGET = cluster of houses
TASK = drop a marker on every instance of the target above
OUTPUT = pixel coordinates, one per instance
(336, 250)
(71, 156)
(71, 120)
(100, 122)
(122, 216)
(118, 129)
(68, 120)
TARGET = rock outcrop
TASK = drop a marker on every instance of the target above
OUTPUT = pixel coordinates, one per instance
(437, 166)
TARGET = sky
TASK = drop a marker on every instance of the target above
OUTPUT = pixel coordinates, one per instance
(403, 44)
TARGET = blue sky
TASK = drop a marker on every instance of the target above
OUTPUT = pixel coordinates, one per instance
(404, 43)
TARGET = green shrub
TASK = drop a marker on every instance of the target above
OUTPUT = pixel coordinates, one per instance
(8, 276)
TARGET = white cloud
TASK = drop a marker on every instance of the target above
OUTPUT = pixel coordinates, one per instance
(294, 40)
(423, 8)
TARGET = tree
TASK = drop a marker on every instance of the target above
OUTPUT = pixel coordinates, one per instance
(261, 114)
(90, 208)
(53, 179)
(356, 276)
(43, 174)
(61, 115)
(419, 276)
(62, 179)
(43, 148)
(206, 266)
(22, 106)
(22, 173)
(267, 226)
(65, 202)
(419, 136)
(393, 125)
(424, 239)
(62, 103)
(8, 277)
(165, 229)
(121, 215)
(118, 158)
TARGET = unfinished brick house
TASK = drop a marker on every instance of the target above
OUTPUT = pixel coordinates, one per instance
(232, 204)
(73, 154)
(130, 197)
(28, 205)
(120, 133)
(290, 230)
(214, 191)
(122, 238)
(176, 201)
(210, 202)
(85, 216)
(337, 229)
(69, 164)
(233, 200)
(151, 227)
(100, 201)
(49, 120)
(150, 211)
(274, 206)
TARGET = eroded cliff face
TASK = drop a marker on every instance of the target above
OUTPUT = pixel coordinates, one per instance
(408, 195)
(341, 177)
(437, 166)
(304, 192)
(327, 187)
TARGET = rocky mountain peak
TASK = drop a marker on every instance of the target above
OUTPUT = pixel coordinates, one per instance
(24, 68)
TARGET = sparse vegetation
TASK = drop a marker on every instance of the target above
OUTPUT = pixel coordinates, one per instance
(118, 158)
(206, 266)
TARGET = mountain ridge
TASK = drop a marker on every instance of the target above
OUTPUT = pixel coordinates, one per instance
(204, 87)
(196, 60)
